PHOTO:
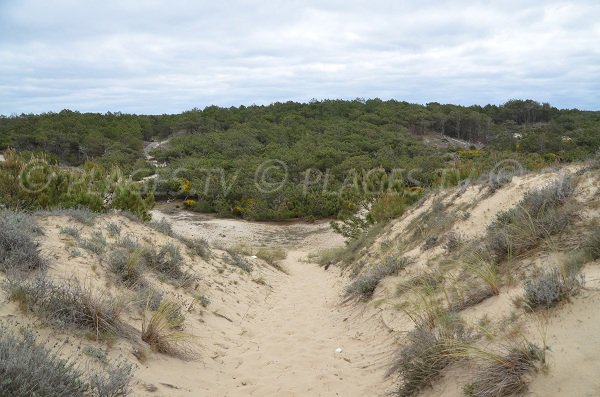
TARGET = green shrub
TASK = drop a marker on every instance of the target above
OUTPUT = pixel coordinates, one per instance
(36, 182)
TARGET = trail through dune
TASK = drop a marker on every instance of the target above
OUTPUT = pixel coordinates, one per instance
(287, 346)
(285, 342)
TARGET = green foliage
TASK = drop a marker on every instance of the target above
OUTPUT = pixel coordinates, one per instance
(34, 182)
(336, 152)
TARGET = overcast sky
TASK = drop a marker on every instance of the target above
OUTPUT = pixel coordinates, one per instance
(150, 56)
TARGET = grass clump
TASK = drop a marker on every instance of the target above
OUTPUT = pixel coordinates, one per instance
(68, 303)
(326, 257)
(271, 255)
(453, 241)
(96, 243)
(429, 280)
(162, 226)
(239, 262)
(126, 265)
(29, 369)
(167, 260)
(551, 287)
(71, 232)
(198, 246)
(540, 214)
(163, 330)
(592, 244)
(427, 353)
(19, 250)
(114, 230)
(504, 374)
(365, 284)
(129, 243)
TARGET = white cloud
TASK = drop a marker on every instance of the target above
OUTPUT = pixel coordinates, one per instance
(155, 56)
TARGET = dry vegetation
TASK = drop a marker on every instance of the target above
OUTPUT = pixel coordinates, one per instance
(102, 276)
(452, 274)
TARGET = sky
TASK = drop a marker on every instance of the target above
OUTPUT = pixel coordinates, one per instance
(155, 57)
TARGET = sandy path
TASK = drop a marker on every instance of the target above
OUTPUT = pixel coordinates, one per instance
(287, 346)
(284, 343)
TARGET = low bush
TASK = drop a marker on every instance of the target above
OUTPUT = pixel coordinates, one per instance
(498, 180)
(71, 231)
(453, 241)
(68, 303)
(96, 243)
(126, 265)
(551, 287)
(19, 250)
(365, 284)
(129, 243)
(114, 230)
(238, 261)
(31, 369)
(166, 260)
(199, 246)
(162, 226)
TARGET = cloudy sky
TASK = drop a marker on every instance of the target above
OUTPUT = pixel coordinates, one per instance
(151, 56)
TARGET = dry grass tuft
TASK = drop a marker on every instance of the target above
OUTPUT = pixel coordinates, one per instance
(365, 284)
(163, 330)
(504, 375)
(68, 303)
